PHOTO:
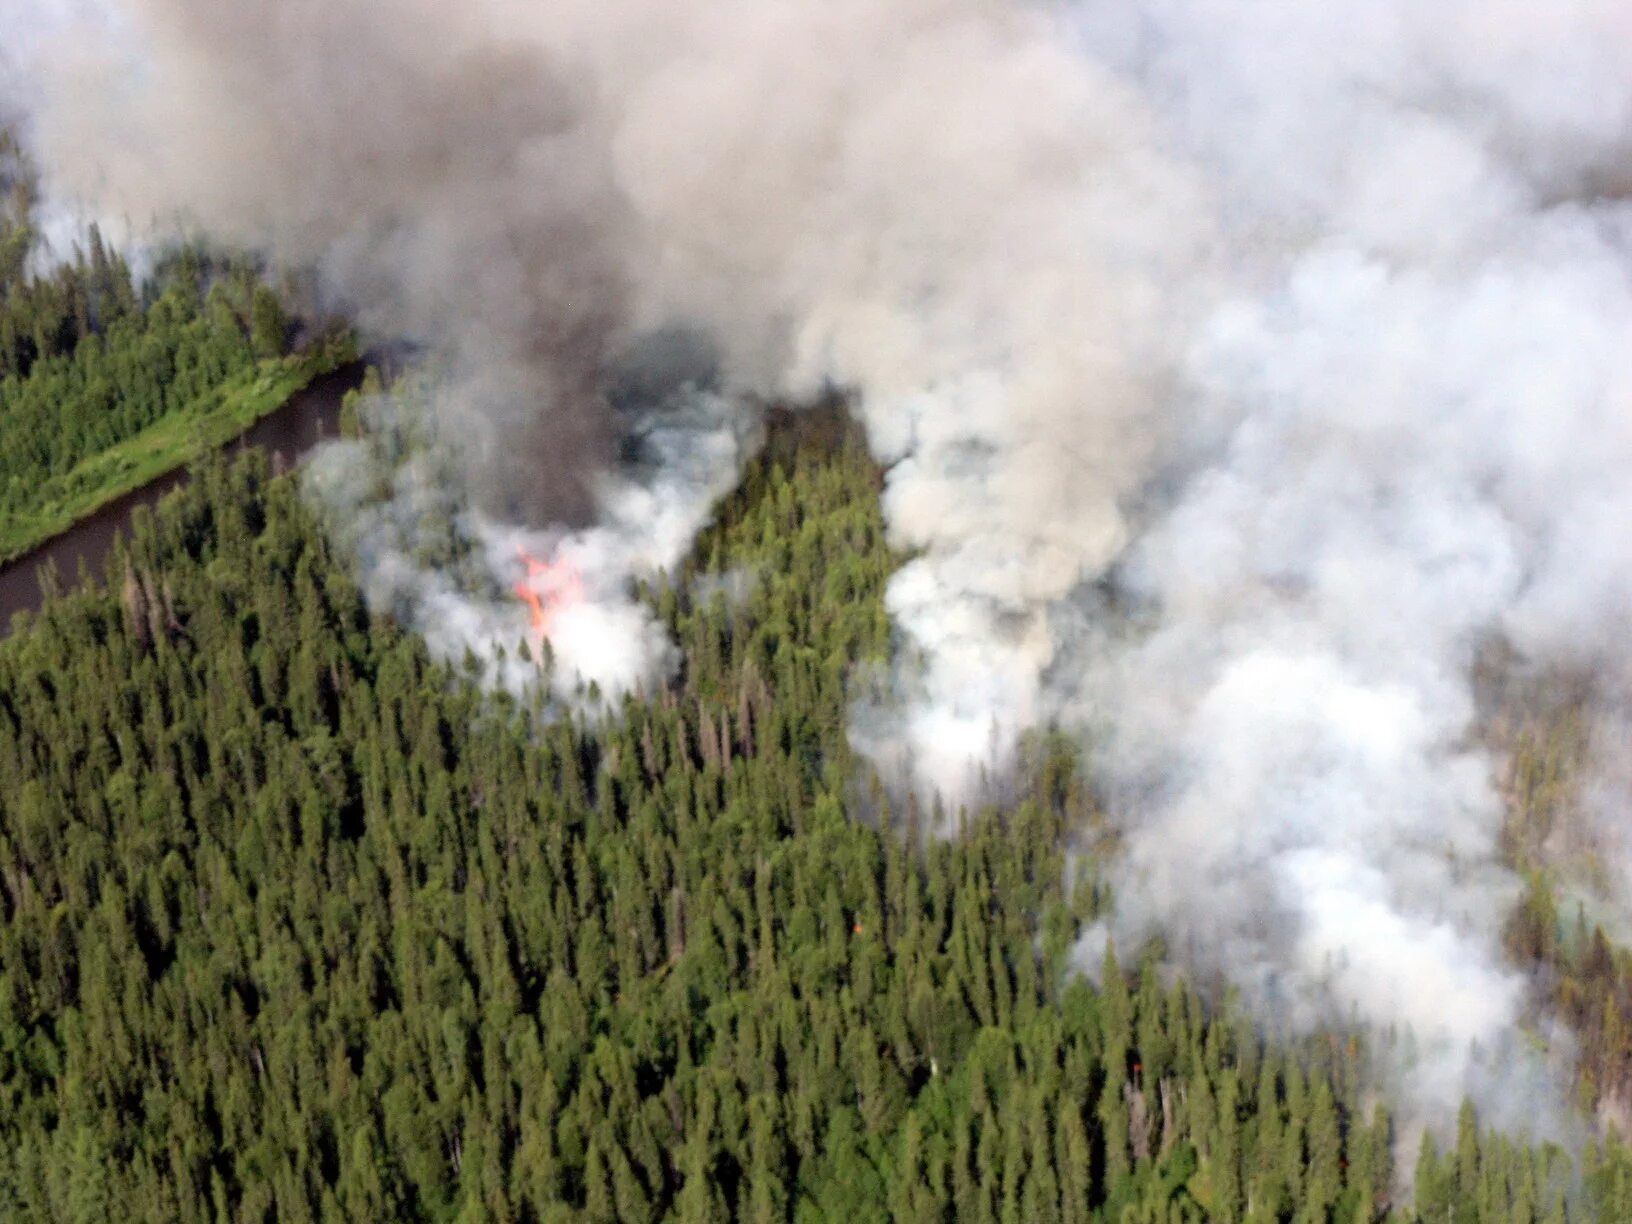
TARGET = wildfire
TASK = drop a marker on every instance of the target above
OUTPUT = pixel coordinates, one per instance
(546, 588)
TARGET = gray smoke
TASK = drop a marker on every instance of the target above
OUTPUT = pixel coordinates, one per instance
(31, 32)
(1244, 372)
(1412, 424)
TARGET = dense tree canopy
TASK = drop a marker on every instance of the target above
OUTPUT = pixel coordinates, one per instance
(90, 359)
(300, 925)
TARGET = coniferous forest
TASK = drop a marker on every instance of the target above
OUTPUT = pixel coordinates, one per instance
(107, 381)
(1255, 404)
(299, 925)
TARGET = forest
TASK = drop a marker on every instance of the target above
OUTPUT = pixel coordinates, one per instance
(301, 925)
(106, 383)
(1244, 387)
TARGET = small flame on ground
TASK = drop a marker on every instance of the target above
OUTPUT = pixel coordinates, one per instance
(547, 587)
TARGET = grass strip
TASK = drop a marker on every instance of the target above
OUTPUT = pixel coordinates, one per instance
(175, 439)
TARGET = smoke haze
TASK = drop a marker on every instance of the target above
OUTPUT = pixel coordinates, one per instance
(1244, 372)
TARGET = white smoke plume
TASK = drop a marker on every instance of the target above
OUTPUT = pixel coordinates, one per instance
(31, 32)
(647, 515)
(1243, 372)
(1412, 416)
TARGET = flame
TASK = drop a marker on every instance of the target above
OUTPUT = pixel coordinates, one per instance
(546, 588)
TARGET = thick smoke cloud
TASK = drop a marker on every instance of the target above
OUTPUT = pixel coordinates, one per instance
(1244, 373)
(1413, 422)
(446, 182)
(534, 189)
(33, 33)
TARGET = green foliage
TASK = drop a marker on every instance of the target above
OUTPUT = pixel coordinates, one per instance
(268, 327)
(102, 390)
(297, 925)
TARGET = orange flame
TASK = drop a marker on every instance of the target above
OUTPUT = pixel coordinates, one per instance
(547, 587)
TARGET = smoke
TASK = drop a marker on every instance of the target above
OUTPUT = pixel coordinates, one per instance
(1413, 426)
(427, 555)
(32, 32)
(1243, 373)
